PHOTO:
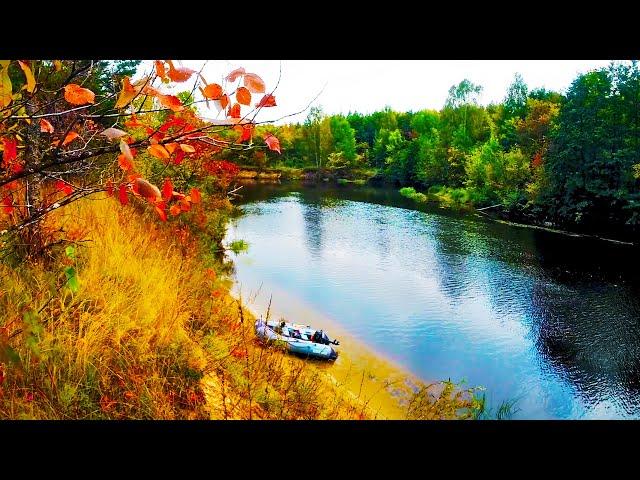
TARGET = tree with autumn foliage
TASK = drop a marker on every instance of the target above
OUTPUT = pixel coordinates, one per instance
(63, 138)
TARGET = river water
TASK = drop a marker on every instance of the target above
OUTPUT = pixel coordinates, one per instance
(548, 320)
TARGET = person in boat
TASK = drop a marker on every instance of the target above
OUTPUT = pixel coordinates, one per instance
(320, 337)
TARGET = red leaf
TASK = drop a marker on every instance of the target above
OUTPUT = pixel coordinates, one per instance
(45, 126)
(267, 101)
(7, 205)
(273, 143)
(195, 195)
(76, 95)
(122, 194)
(179, 157)
(234, 112)
(243, 96)
(10, 151)
(254, 83)
(167, 189)
(62, 186)
(212, 91)
(110, 188)
(247, 130)
(233, 76)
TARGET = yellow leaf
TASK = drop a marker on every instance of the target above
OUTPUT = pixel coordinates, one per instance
(31, 81)
(58, 65)
(187, 148)
(5, 87)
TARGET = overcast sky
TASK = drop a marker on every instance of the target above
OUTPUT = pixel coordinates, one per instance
(369, 85)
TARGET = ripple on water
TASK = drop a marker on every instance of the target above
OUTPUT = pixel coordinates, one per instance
(454, 296)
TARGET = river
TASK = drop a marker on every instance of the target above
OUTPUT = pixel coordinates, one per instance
(548, 320)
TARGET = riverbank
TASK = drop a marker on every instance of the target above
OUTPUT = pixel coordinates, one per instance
(307, 174)
(148, 330)
(459, 200)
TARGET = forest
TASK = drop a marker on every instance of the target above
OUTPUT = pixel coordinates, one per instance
(539, 156)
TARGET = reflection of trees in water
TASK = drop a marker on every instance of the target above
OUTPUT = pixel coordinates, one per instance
(591, 338)
(312, 218)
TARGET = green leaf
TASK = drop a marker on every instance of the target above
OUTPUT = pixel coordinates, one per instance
(71, 252)
(72, 279)
(9, 355)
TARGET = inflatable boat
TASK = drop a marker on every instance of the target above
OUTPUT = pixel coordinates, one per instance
(299, 339)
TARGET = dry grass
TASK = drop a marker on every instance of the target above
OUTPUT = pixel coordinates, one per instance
(148, 334)
(151, 333)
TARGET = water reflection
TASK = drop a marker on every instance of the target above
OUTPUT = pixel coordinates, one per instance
(548, 319)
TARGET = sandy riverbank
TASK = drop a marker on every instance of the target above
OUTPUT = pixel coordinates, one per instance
(366, 374)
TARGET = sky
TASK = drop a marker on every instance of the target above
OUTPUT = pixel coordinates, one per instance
(366, 86)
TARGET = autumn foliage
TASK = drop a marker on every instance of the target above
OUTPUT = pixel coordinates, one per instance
(54, 129)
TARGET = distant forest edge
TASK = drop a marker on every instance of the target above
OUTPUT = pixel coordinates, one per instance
(539, 156)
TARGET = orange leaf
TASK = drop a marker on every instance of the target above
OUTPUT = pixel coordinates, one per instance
(254, 83)
(122, 194)
(238, 72)
(185, 206)
(167, 189)
(272, 142)
(234, 112)
(180, 74)
(76, 95)
(124, 162)
(212, 91)
(133, 122)
(58, 65)
(224, 101)
(71, 136)
(160, 70)
(31, 81)
(175, 210)
(147, 190)
(45, 126)
(267, 101)
(171, 147)
(195, 195)
(171, 101)
(187, 148)
(158, 151)
(243, 96)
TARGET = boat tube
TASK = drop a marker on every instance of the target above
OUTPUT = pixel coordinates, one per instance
(299, 339)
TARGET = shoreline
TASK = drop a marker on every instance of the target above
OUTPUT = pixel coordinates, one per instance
(365, 373)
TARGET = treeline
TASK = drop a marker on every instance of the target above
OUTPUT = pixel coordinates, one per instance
(571, 160)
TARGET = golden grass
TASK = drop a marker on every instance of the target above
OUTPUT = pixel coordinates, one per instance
(151, 333)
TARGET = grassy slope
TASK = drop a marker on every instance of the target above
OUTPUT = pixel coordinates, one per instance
(152, 334)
